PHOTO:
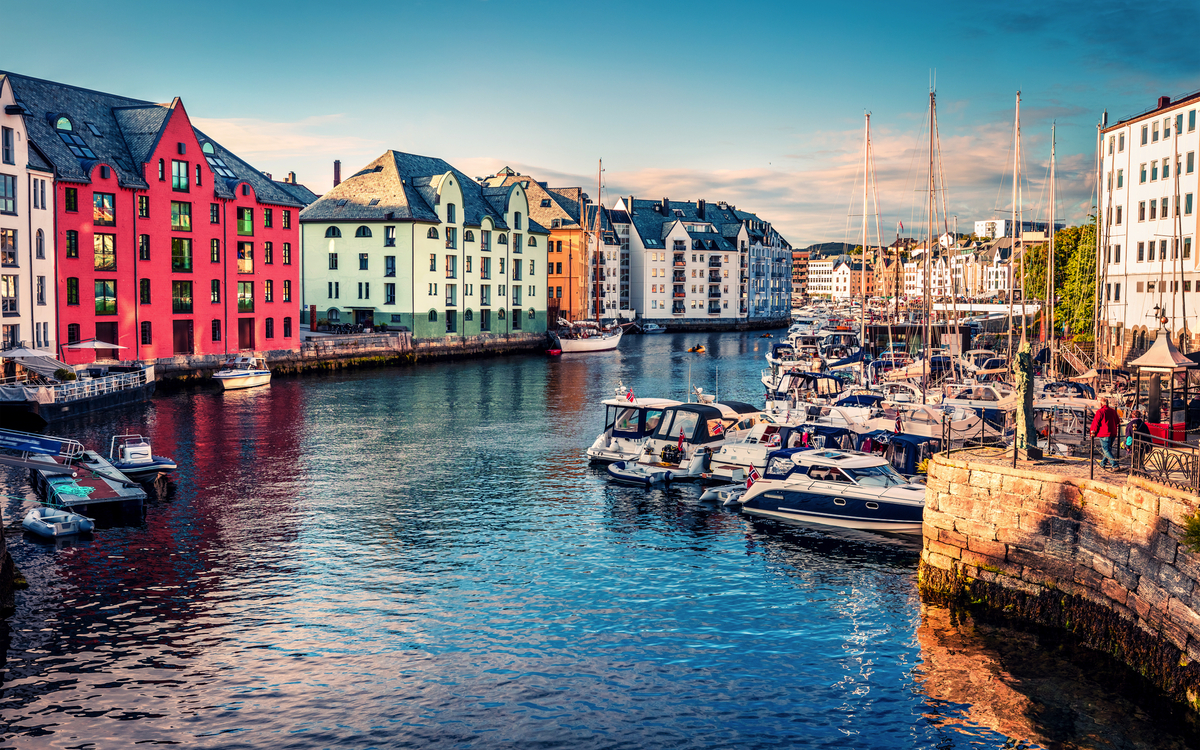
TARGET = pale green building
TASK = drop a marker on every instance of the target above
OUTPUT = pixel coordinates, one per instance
(411, 241)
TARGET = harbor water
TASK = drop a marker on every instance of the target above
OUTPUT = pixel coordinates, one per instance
(422, 556)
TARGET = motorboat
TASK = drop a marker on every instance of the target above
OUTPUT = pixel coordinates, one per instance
(628, 421)
(959, 424)
(783, 355)
(649, 328)
(841, 488)
(687, 435)
(735, 460)
(585, 336)
(243, 372)
(132, 456)
(697, 349)
(53, 523)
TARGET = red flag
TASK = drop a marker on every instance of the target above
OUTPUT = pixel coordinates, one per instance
(718, 428)
(752, 478)
(629, 396)
(899, 428)
(680, 446)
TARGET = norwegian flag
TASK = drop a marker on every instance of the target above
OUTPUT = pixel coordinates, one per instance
(899, 427)
(752, 478)
(680, 446)
(718, 428)
(629, 396)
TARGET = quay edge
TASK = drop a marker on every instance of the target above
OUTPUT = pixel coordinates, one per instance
(1099, 561)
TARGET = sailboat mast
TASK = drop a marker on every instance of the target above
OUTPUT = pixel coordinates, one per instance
(862, 314)
(1017, 213)
(596, 234)
(926, 365)
(1048, 314)
(1012, 248)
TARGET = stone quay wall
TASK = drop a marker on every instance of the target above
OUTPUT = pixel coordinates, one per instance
(1102, 561)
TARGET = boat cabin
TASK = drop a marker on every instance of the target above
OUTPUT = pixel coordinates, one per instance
(636, 419)
(841, 466)
(243, 362)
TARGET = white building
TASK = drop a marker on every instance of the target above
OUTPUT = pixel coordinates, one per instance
(997, 228)
(682, 260)
(820, 278)
(1148, 227)
(27, 282)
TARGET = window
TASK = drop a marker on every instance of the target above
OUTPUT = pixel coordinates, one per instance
(432, 233)
(1116, 293)
(1142, 173)
(433, 316)
(179, 175)
(485, 240)
(433, 290)
(502, 239)
(517, 220)
(1141, 256)
(1116, 255)
(268, 291)
(181, 216)
(1166, 168)
(432, 261)
(287, 224)
(245, 252)
(104, 252)
(70, 199)
(1120, 178)
(215, 290)
(516, 293)
(270, 328)
(197, 175)
(1153, 209)
(362, 232)
(1187, 204)
(532, 242)
(451, 213)
(1120, 142)
(214, 251)
(451, 295)
(468, 235)
(162, 170)
(485, 320)
(245, 221)
(72, 291)
(516, 270)
(147, 338)
(7, 151)
(268, 253)
(485, 268)
(332, 232)
(516, 320)
(143, 207)
(8, 247)
(333, 261)
(389, 265)
(501, 266)
(1154, 170)
(103, 213)
(516, 245)
(181, 296)
(485, 294)
(214, 213)
(1166, 128)
(389, 236)
(389, 294)
(533, 267)
(73, 333)
(144, 291)
(287, 328)
(8, 295)
(362, 261)
(41, 290)
(268, 218)
(287, 253)
(1151, 245)
(451, 266)
(245, 296)
(1119, 209)
(1154, 132)
(216, 330)
(451, 238)
(106, 297)
(74, 142)
(1141, 210)
(181, 254)
(1187, 248)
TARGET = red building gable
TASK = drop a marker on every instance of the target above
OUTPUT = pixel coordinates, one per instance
(167, 244)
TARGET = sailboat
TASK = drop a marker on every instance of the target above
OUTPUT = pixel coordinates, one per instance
(588, 335)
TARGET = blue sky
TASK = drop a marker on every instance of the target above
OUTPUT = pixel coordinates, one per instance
(759, 104)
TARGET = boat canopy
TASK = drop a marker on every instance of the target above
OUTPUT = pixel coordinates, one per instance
(632, 421)
(696, 421)
(903, 451)
(779, 349)
(1068, 388)
(740, 407)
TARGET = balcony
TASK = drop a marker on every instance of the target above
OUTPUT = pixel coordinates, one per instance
(714, 294)
(677, 308)
(679, 278)
(679, 295)
(714, 309)
(714, 262)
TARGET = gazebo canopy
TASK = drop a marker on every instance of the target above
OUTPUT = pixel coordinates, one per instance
(1162, 357)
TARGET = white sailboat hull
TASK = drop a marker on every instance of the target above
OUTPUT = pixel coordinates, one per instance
(593, 344)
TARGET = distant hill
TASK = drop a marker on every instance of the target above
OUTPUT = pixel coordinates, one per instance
(830, 248)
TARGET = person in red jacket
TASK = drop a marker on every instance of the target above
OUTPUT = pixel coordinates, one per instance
(1105, 425)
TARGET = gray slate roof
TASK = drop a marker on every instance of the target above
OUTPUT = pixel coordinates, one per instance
(129, 129)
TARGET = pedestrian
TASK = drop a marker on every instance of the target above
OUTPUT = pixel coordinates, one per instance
(1136, 426)
(1104, 426)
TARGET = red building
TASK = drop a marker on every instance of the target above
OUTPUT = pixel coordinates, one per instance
(166, 243)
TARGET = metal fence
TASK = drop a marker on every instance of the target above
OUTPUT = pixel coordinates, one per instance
(78, 389)
(1165, 461)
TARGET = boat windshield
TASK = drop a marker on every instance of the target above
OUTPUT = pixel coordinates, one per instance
(877, 476)
(684, 421)
(627, 419)
(653, 417)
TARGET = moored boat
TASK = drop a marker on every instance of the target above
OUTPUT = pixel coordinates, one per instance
(628, 422)
(243, 372)
(52, 523)
(585, 336)
(133, 457)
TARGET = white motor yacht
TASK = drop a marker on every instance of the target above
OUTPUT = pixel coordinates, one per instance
(243, 372)
(628, 421)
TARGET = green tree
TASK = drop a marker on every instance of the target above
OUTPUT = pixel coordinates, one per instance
(1074, 278)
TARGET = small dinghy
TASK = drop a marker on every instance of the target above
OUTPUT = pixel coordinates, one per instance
(632, 472)
(696, 349)
(131, 455)
(52, 523)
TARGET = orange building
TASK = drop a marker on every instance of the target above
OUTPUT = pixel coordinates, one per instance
(558, 210)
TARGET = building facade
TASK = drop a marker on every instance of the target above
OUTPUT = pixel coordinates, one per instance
(820, 278)
(27, 278)
(848, 280)
(800, 274)
(1148, 226)
(165, 242)
(996, 228)
(411, 241)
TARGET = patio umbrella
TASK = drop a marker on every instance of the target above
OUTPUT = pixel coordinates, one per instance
(94, 344)
(18, 352)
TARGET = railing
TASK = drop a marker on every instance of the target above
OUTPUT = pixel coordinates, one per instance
(1165, 461)
(679, 295)
(714, 310)
(681, 263)
(1076, 357)
(80, 389)
(714, 263)
(677, 310)
(714, 294)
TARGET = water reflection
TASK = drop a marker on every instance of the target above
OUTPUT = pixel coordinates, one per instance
(423, 556)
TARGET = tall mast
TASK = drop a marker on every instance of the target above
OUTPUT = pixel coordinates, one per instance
(862, 314)
(596, 234)
(1017, 209)
(1012, 255)
(926, 365)
(1048, 313)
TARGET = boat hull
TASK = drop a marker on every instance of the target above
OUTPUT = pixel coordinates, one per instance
(594, 344)
(238, 380)
(628, 472)
(836, 510)
(53, 524)
(160, 463)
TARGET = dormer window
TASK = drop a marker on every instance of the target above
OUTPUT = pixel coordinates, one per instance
(545, 203)
(75, 143)
(214, 161)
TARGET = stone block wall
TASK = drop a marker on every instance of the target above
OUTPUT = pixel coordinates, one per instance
(1100, 560)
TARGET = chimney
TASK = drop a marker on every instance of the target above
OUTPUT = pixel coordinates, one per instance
(666, 207)
(291, 178)
(337, 172)
(700, 208)
(267, 175)
(1164, 101)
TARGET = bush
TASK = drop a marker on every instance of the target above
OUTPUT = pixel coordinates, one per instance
(1191, 533)
(63, 375)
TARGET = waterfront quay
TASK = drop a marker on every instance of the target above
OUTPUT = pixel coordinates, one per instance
(422, 556)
